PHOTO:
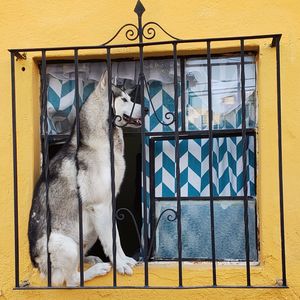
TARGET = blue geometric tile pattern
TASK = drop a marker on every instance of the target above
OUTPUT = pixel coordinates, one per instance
(61, 103)
(194, 155)
(194, 167)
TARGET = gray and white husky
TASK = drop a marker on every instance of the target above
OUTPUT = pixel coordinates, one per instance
(94, 183)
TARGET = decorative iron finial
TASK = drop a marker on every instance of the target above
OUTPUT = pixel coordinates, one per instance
(140, 31)
(139, 8)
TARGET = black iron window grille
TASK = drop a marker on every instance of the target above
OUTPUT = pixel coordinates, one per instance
(140, 37)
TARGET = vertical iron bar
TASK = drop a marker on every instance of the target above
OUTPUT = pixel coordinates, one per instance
(112, 166)
(15, 169)
(183, 100)
(284, 282)
(255, 194)
(211, 190)
(179, 234)
(245, 147)
(143, 137)
(238, 68)
(152, 193)
(255, 164)
(144, 190)
(256, 229)
(81, 266)
(46, 160)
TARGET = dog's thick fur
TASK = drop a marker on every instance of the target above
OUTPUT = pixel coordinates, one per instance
(94, 183)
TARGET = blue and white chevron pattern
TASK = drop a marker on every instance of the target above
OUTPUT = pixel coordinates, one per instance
(194, 154)
(61, 103)
(194, 167)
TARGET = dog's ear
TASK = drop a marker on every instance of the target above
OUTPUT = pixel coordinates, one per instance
(103, 82)
(129, 91)
(116, 91)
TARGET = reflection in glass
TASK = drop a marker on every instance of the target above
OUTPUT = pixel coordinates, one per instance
(226, 93)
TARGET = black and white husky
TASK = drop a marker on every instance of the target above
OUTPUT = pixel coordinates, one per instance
(94, 183)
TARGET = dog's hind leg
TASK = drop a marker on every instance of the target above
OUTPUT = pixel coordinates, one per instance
(64, 254)
(92, 260)
(94, 271)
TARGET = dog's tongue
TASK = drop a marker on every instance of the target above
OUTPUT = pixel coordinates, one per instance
(135, 121)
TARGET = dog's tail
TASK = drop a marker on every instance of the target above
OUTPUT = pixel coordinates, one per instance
(37, 221)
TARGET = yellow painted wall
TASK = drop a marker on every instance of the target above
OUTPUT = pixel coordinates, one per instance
(32, 23)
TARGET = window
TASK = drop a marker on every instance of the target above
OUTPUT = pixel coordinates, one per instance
(194, 181)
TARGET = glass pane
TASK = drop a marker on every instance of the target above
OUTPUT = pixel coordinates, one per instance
(194, 167)
(226, 92)
(159, 95)
(196, 234)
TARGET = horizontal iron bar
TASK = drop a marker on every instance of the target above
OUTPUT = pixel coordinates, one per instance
(250, 37)
(202, 260)
(154, 287)
(188, 134)
(200, 134)
(126, 59)
(206, 198)
(168, 135)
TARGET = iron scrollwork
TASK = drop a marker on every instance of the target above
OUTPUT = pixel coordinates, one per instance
(171, 217)
(149, 31)
(131, 33)
(120, 216)
(168, 115)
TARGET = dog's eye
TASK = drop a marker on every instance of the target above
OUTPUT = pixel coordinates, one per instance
(124, 99)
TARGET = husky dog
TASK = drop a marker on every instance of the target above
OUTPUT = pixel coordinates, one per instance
(94, 182)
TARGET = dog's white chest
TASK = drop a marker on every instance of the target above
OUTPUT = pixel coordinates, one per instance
(96, 182)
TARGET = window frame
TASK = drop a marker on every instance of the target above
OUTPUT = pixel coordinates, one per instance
(251, 132)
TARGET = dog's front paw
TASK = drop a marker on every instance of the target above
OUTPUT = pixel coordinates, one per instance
(130, 261)
(101, 268)
(124, 268)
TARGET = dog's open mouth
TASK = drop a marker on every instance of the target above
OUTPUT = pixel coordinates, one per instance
(133, 121)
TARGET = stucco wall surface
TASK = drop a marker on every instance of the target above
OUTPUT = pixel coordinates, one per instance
(51, 23)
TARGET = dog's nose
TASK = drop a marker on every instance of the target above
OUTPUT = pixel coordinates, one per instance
(146, 110)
